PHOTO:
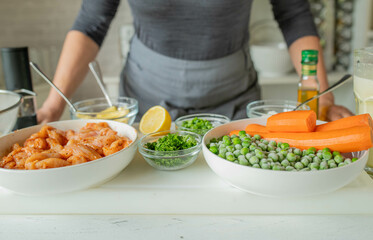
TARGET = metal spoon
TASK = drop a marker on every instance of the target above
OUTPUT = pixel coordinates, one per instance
(95, 69)
(343, 80)
(40, 72)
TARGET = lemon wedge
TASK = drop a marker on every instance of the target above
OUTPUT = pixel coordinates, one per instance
(154, 120)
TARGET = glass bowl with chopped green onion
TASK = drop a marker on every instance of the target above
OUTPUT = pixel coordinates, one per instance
(275, 169)
(200, 123)
(171, 149)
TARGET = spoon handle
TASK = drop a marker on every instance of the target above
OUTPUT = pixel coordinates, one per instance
(40, 72)
(344, 79)
(95, 69)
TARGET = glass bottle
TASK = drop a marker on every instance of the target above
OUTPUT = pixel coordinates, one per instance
(308, 85)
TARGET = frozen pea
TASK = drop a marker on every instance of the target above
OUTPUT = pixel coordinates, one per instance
(259, 155)
(265, 141)
(214, 149)
(335, 153)
(257, 137)
(333, 165)
(284, 153)
(273, 156)
(228, 153)
(327, 155)
(289, 168)
(222, 155)
(278, 149)
(242, 160)
(325, 150)
(338, 159)
(230, 158)
(319, 155)
(314, 165)
(248, 156)
(242, 133)
(316, 160)
(247, 139)
(252, 147)
(264, 160)
(323, 165)
(277, 168)
(311, 150)
(305, 169)
(238, 146)
(297, 152)
(291, 157)
(222, 145)
(331, 161)
(244, 151)
(235, 161)
(290, 150)
(227, 142)
(270, 148)
(298, 165)
(305, 161)
(266, 166)
(285, 163)
(341, 164)
(354, 159)
(230, 148)
(263, 146)
(256, 165)
(272, 143)
(236, 141)
(234, 136)
(347, 161)
(304, 153)
(236, 153)
(223, 150)
(279, 144)
(212, 144)
(285, 146)
(254, 160)
(246, 144)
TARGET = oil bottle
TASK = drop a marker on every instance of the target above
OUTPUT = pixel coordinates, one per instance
(308, 85)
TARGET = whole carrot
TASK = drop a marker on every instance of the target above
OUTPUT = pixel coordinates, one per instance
(257, 128)
(353, 121)
(293, 121)
(343, 140)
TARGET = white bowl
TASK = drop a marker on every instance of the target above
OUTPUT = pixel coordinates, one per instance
(69, 178)
(279, 184)
(9, 105)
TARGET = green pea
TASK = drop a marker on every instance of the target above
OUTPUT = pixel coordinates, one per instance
(277, 168)
(305, 169)
(265, 141)
(273, 156)
(289, 168)
(316, 160)
(248, 156)
(297, 152)
(323, 165)
(341, 164)
(234, 136)
(291, 157)
(230, 158)
(285, 163)
(298, 165)
(305, 161)
(272, 143)
(246, 144)
(214, 149)
(222, 155)
(226, 137)
(331, 161)
(252, 147)
(335, 153)
(266, 166)
(259, 155)
(256, 165)
(246, 139)
(222, 145)
(270, 148)
(254, 160)
(284, 153)
(326, 150)
(285, 146)
(230, 148)
(262, 146)
(327, 155)
(236, 141)
(278, 149)
(242, 160)
(319, 155)
(333, 165)
(242, 133)
(314, 165)
(311, 150)
(347, 161)
(257, 137)
(244, 151)
(227, 142)
(354, 159)
(279, 144)
(213, 140)
(238, 146)
(236, 153)
(338, 159)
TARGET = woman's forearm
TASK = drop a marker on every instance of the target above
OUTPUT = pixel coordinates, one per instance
(78, 50)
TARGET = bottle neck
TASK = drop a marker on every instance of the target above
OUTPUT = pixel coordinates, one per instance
(309, 69)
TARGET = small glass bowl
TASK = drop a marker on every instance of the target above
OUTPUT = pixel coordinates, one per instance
(169, 160)
(266, 108)
(127, 109)
(215, 119)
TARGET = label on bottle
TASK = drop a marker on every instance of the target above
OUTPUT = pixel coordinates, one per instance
(308, 70)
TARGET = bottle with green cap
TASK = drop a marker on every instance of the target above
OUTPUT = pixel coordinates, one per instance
(309, 85)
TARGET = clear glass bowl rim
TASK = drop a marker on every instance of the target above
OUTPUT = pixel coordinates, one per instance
(133, 106)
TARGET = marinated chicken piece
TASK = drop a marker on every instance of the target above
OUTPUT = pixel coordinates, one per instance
(51, 163)
(38, 143)
(73, 147)
(73, 160)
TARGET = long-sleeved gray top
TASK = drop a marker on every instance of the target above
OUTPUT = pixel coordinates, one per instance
(193, 29)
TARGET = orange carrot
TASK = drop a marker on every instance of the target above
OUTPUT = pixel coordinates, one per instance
(234, 132)
(257, 128)
(343, 140)
(293, 121)
(358, 120)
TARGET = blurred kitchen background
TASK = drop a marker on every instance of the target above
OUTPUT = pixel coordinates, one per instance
(41, 25)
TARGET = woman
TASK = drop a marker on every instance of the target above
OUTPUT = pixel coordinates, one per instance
(188, 55)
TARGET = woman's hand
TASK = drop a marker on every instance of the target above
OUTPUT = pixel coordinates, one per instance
(328, 111)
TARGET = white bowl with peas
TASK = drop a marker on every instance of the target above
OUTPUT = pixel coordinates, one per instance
(274, 169)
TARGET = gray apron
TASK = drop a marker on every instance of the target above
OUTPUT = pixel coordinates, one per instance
(223, 86)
